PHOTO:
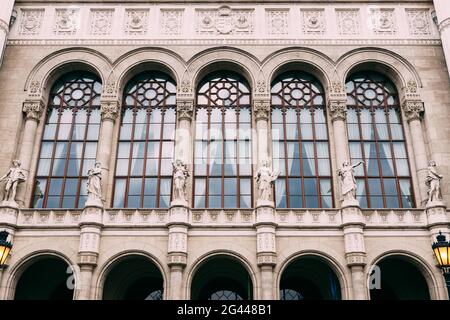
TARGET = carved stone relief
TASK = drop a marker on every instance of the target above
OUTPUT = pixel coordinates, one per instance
(348, 22)
(224, 21)
(418, 22)
(171, 22)
(383, 21)
(277, 22)
(31, 21)
(67, 21)
(313, 21)
(101, 22)
(136, 21)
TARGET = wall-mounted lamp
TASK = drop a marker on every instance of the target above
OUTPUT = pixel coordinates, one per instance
(13, 18)
(434, 17)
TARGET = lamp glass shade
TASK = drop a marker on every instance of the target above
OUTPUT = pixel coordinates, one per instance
(4, 252)
(442, 255)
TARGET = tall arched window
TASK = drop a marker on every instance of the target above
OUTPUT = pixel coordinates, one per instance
(300, 142)
(69, 142)
(146, 143)
(376, 136)
(223, 167)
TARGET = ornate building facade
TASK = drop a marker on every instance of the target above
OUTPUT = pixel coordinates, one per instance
(246, 150)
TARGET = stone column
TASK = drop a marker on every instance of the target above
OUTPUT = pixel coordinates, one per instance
(5, 18)
(184, 138)
(337, 113)
(443, 19)
(261, 111)
(266, 249)
(177, 249)
(337, 110)
(33, 110)
(412, 109)
(91, 224)
(265, 210)
(355, 252)
(109, 111)
(179, 211)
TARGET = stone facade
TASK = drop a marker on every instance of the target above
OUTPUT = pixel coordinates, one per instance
(258, 40)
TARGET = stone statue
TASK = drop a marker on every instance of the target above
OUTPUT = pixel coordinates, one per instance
(180, 175)
(433, 183)
(348, 182)
(94, 185)
(14, 176)
(264, 179)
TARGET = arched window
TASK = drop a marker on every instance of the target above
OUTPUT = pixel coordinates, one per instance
(146, 143)
(69, 142)
(300, 143)
(376, 136)
(222, 165)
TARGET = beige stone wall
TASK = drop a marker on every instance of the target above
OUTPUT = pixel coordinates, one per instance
(33, 61)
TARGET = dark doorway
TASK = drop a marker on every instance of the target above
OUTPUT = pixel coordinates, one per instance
(48, 278)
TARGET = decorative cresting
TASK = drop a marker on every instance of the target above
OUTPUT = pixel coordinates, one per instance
(109, 109)
(185, 109)
(33, 109)
(261, 109)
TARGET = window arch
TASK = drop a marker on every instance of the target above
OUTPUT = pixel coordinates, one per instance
(69, 142)
(222, 164)
(300, 142)
(376, 136)
(143, 175)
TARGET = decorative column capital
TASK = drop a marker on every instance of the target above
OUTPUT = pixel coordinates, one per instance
(4, 26)
(261, 109)
(33, 109)
(413, 109)
(109, 110)
(185, 109)
(337, 110)
(444, 24)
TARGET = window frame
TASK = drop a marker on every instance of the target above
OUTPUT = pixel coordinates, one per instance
(386, 108)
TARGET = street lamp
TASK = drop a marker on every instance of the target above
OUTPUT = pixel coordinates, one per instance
(5, 247)
(441, 250)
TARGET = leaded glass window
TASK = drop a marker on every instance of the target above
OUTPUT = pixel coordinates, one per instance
(146, 143)
(301, 151)
(69, 142)
(376, 136)
(222, 164)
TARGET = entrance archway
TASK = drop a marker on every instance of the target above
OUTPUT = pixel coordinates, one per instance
(134, 277)
(400, 279)
(221, 278)
(46, 278)
(309, 278)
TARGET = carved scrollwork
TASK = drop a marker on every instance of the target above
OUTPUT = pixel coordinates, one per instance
(109, 110)
(185, 109)
(413, 109)
(261, 109)
(33, 109)
(337, 110)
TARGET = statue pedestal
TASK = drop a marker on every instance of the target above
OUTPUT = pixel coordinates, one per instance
(9, 212)
(9, 204)
(350, 203)
(179, 203)
(94, 202)
(437, 218)
(265, 203)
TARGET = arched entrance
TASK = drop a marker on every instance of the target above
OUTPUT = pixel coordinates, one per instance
(309, 278)
(221, 278)
(400, 279)
(45, 278)
(134, 277)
